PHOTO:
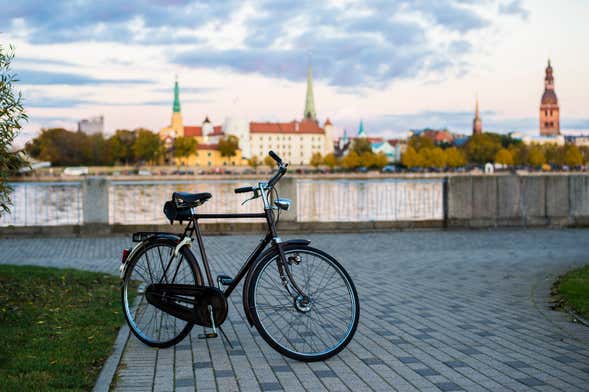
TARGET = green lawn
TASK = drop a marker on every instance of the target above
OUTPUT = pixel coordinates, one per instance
(573, 287)
(57, 327)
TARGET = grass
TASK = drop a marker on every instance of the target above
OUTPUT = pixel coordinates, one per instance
(573, 288)
(57, 327)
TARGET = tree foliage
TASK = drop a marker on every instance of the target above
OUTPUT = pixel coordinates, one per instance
(184, 146)
(228, 146)
(148, 146)
(254, 162)
(316, 159)
(454, 157)
(351, 161)
(411, 158)
(572, 156)
(12, 114)
(482, 148)
(361, 145)
(268, 161)
(504, 157)
(417, 142)
(330, 160)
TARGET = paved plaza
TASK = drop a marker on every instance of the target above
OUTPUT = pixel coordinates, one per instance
(440, 311)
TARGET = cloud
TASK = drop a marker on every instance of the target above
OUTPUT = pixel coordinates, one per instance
(35, 77)
(514, 8)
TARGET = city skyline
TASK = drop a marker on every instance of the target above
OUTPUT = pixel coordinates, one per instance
(420, 66)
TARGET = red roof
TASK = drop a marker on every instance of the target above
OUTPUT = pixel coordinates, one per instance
(217, 131)
(327, 122)
(305, 126)
(192, 131)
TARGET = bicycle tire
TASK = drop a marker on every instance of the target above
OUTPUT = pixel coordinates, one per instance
(184, 255)
(287, 346)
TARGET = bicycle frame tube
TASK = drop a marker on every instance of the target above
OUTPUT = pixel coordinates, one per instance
(271, 237)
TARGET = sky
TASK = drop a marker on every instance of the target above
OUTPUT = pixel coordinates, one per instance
(395, 64)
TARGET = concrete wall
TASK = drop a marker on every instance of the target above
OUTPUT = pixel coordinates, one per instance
(512, 200)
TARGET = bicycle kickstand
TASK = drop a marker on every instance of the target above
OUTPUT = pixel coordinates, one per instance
(210, 335)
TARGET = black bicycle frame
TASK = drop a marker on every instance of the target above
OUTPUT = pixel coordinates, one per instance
(270, 236)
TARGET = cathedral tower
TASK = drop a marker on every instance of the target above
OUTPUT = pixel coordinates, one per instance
(477, 123)
(549, 110)
(310, 113)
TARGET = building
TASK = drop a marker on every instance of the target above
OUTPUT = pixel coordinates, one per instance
(91, 125)
(477, 122)
(295, 141)
(549, 109)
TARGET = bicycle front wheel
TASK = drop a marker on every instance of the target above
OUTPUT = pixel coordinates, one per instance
(309, 328)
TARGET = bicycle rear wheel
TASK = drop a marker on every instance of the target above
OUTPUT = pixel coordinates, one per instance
(150, 265)
(307, 329)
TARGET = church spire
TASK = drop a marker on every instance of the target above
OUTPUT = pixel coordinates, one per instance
(176, 96)
(310, 100)
(477, 123)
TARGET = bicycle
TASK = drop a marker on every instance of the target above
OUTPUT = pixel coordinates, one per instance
(300, 299)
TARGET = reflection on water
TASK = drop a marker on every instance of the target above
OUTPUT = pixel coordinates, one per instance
(141, 202)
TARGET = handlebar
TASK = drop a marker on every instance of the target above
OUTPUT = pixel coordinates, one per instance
(275, 178)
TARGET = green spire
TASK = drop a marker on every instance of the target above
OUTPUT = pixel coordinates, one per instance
(310, 101)
(176, 97)
(361, 132)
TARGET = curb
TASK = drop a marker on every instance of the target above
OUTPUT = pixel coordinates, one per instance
(109, 368)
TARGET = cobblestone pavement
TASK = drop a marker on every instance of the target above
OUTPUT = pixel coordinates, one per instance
(441, 310)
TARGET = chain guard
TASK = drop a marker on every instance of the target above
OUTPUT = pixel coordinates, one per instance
(188, 302)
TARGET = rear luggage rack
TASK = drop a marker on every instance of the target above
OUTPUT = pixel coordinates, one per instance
(143, 235)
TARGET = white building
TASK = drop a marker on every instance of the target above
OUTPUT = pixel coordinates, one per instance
(91, 125)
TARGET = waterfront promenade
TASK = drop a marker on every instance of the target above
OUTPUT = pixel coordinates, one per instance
(441, 311)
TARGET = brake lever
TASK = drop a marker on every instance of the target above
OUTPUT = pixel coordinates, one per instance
(255, 196)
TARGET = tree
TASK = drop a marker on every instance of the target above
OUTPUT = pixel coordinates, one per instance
(330, 160)
(536, 157)
(121, 146)
(254, 162)
(483, 147)
(504, 157)
(367, 159)
(572, 156)
(433, 157)
(184, 146)
(269, 161)
(12, 114)
(228, 146)
(361, 145)
(351, 161)
(454, 157)
(316, 159)
(417, 142)
(380, 160)
(410, 158)
(148, 146)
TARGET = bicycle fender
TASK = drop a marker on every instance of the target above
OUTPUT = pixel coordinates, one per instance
(268, 253)
(140, 245)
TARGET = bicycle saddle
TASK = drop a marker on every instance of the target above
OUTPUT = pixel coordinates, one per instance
(185, 199)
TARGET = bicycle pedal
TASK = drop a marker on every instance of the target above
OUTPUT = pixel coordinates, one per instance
(208, 335)
(224, 280)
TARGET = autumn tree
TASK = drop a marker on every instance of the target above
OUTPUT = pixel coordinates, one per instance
(184, 146)
(330, 160)
(316, 159)
(351, 161)
(504, 157)
(12, 114)
(433, 157)
(148, 146)
(417, 142)
(269, 161)
(483, 147)
(121, 146)
(410, 158)
(572, 156)
(536, 156)
(228, 146)
(454, 157)
(380, 160)
(254, 162)
(361, 145)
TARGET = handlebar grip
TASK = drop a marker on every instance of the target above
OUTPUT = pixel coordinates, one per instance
(244, 189)
(274, 156)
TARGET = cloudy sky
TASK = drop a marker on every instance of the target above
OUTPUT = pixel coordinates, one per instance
(395, 64)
